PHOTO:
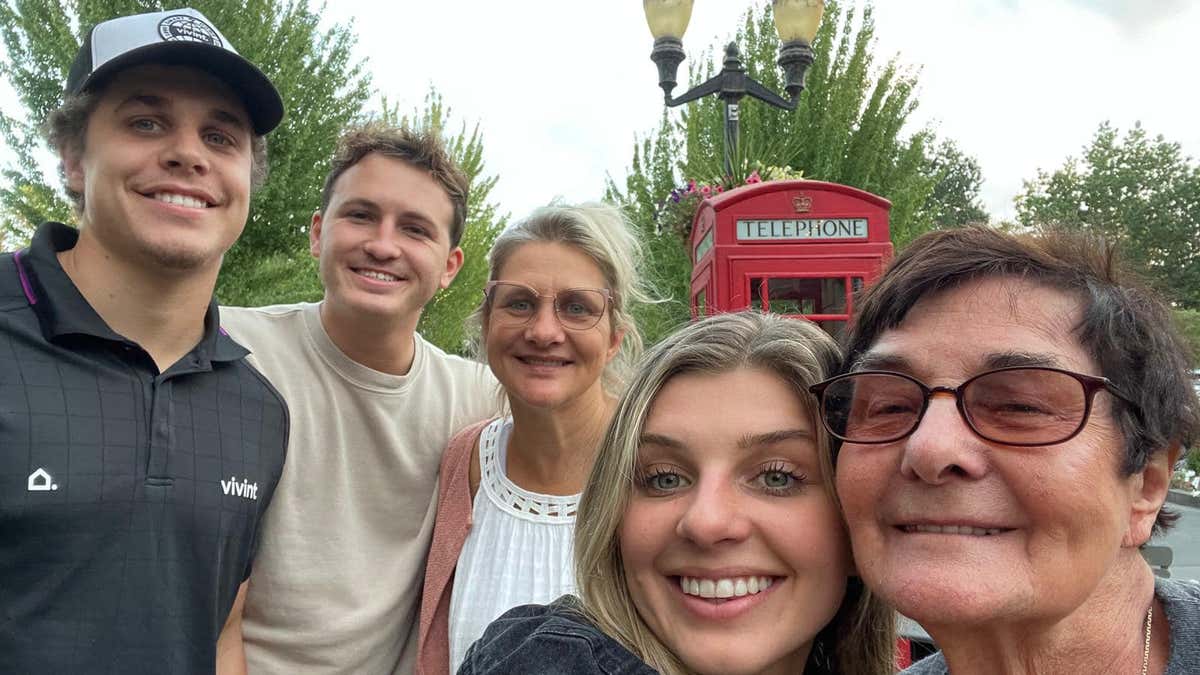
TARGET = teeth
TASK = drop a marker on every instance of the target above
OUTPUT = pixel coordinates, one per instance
(953, 529)
(380, 276)
(543, 362)
(180, 200)
(735, 587)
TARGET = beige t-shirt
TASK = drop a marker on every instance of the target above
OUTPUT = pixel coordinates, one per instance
(337, 580)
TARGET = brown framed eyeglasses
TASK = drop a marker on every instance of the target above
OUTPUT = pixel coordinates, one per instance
(1020, 405)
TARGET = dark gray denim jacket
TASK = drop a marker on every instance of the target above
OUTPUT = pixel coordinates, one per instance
(554, 639)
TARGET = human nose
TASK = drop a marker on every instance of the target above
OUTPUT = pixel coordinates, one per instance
(942, 447)
(186, 151)
(380, 243)
(713, 516)
(544, 326)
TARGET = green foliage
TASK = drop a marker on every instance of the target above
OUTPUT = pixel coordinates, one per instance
(442, 322)
(1188, 322)
(323, 90)
(954, 200)
(848, 128)
(667, 266)
(1137, 191)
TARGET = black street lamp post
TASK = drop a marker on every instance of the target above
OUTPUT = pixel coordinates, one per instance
(796, 21)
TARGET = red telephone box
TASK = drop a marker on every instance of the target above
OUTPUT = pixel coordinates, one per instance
(797, 247)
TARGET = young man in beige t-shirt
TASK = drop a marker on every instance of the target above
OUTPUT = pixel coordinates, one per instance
(336, 584)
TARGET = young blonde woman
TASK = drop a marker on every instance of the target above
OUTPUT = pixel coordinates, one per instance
(557, 334)
(709, 536)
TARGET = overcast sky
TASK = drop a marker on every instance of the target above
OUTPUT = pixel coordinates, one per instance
(560, 88)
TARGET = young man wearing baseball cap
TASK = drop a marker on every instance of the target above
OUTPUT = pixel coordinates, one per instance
(138, 449)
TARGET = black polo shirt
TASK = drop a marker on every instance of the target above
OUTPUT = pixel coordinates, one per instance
(130, 500)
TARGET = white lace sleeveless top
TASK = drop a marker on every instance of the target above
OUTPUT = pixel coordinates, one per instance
(518, 551)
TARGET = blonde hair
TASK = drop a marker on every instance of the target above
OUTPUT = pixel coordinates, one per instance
(860, 639)
(601, 233)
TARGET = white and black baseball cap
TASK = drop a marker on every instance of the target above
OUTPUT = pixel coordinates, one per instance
(176, 37)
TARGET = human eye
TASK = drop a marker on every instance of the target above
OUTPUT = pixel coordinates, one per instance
(416, 231)
(779, 479)
(145, 124)
(218, 138)
(518, 303)
(576, 309)
(1021, 396)
(357, 214)
(579, 303)
(662, 480)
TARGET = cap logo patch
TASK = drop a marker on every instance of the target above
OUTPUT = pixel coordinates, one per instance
(184, 28)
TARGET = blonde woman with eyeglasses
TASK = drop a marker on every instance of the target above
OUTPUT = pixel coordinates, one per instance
(556, 331)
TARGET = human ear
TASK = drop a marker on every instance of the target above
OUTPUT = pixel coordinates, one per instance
(614, 344)
(454, 263)
(72, 167)
(314, 235)
(1149, 491)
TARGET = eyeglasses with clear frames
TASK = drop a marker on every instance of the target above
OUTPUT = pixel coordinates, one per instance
(514, 304)
(1020, 405)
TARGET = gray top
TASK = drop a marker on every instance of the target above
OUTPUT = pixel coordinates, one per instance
(1180, 599)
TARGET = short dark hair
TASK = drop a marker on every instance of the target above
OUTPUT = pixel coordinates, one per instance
(66, 131)
(421, 148)
(1124, 326)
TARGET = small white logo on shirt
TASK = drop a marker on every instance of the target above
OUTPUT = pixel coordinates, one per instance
(41, 481)
(244, 489)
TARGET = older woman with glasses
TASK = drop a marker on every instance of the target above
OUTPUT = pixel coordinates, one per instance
(1009, 416)
(557, 333)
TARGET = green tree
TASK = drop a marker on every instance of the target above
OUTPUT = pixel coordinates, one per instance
(1140, 192)
(958, 179)
(1188, 321)
(322, 86)
(848, 128)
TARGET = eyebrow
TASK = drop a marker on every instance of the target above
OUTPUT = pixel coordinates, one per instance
(774, 438)
(1006, 359)
(362, 202)
(746, 442)
(661, 440)
(153, 101)
(1014, 358)
(874, 361)
(148, 100)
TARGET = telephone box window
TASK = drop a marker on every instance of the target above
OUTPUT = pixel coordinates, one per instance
(701, 303)
(704, 246)
(798, 295)
(835, 328)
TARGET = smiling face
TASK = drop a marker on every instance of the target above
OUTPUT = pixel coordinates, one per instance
(165, 168)
(384, 242)
(541, 363)
(732, 547)
(956, 530)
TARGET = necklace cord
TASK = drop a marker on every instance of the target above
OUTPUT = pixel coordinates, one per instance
(1146, 650)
